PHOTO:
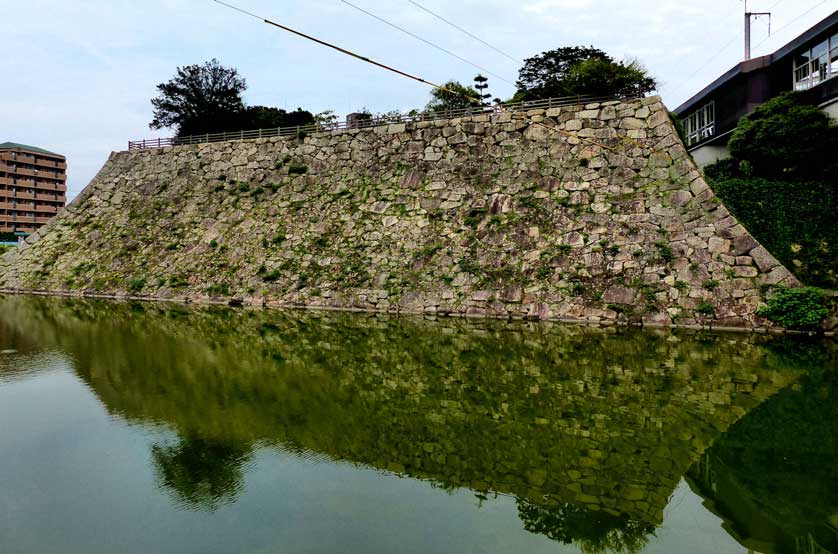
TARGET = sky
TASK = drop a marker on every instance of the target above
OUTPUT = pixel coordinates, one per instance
(78, 75)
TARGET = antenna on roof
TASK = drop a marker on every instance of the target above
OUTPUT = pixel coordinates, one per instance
(748, 17)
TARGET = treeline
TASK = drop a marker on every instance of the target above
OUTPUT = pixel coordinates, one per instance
(208, 98)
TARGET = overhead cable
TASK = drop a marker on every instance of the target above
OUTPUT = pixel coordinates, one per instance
(478, 101)
(452, 24)
(429, 43)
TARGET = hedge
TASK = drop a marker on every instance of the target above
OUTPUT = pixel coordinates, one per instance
(796, 220)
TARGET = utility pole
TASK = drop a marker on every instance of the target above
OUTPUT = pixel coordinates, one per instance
(748, 17)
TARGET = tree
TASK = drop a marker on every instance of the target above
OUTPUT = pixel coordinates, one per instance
(543, 76)
(599, 77)
(581, 71)
(262, 117)
(456, 96)
(199, 99)
(786, 137)
(481, 84)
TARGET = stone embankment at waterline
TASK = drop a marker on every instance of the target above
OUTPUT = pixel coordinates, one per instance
(591, 212)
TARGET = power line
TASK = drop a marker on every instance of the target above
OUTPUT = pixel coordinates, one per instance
(787, 25)
(707, 63)
(429, 43)
(452, 24)
(478, 101)
(334, 47)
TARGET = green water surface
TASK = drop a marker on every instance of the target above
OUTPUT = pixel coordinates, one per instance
(157, 428)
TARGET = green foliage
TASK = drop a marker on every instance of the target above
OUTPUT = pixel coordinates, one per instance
(580, 70)
(710, 284)
(4, 248)
(705, 308)
(679, 126)
(219, 289)
(297, 169)
(278, 239)
(794, 220)
(456, 96)
(199, 99)
(665, 251)
(244, 187)
(801, 308)
(207, 98)
(262, 117)
(600, 77)
(136, 285)
(786, 137)
(213, 243)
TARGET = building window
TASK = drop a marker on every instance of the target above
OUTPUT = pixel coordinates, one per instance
(701, 124)
(816, 65)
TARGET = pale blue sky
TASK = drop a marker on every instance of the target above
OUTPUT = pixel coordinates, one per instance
(77, 75)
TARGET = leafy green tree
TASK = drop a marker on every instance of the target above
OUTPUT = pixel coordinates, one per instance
(580, 70)
(786, 137)
(262, 117)
(456, 96)
(199, 99)
(481, 83)
(601, 77)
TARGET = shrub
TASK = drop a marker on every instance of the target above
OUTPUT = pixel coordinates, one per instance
(802, 308)
(785, 136)
(297, 169)
(136, 285)
(794, 220)
(705, 308)
(665, 251)
(221, 289)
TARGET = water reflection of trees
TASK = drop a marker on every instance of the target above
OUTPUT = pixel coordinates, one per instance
(595, 531)
(201, 473)
(774, 475)
(520, 409)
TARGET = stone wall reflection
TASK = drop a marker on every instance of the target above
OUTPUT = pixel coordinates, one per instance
(591, 429)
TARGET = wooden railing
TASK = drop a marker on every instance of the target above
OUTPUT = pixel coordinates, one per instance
(367, 123)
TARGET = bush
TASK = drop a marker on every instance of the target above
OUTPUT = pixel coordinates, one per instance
(796, 308)
(795, 221)
(297, 169)
(136, 285)
(785, 137)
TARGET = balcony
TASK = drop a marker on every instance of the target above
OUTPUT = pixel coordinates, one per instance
(48, 197)
(47, 209)
(42, 220)
(25, 195)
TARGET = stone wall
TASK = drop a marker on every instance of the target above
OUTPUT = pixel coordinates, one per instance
(589, 212)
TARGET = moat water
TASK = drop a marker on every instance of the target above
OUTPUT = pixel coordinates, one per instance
(138, 428)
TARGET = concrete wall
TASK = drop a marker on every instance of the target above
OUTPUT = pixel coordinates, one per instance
(708, 154)
(589, 212)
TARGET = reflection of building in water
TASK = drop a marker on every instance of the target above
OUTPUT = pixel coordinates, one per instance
(590, 429)
(772, 477)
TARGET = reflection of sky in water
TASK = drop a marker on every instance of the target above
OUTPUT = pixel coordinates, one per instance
(75, 480)
(132, 429)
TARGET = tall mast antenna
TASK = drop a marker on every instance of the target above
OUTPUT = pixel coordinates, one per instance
(749, 16)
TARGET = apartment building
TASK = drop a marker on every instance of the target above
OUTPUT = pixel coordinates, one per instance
(33, 187)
